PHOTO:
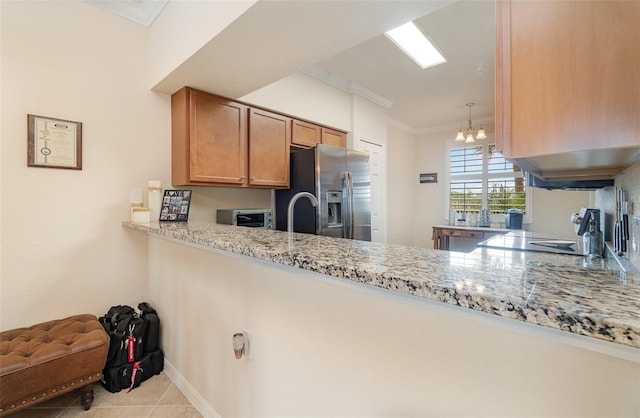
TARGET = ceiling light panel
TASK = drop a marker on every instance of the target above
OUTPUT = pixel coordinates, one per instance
(416, 45)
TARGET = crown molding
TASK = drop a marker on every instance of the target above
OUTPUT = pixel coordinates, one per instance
(362, 91)
(352, 87)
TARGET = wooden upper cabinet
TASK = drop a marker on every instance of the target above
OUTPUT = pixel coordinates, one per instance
(305, 134)
(269, 140)
(567, 77)
(216, 141)
(209, 139)
(333, 137)
(219, 142)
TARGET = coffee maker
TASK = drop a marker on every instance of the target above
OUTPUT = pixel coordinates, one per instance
(581, 220)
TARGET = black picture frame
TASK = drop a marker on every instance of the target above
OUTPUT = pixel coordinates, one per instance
(175, 205)
(428, 177)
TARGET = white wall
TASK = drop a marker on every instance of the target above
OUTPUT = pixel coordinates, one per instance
(183, 27)
(369, 122)
(307, 98)
(401, 199)
(551, 210)
(430, 156)
(321, 348)
(63, 250)
(206, 200)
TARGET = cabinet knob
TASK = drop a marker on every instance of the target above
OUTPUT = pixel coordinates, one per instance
(243, 177)
(253, 178)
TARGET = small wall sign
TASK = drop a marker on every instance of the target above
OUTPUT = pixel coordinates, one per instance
(428, 177)
(54, 143)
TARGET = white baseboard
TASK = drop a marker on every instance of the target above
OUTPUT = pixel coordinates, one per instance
(194, 397)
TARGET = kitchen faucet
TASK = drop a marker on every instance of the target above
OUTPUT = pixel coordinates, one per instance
(292, 203)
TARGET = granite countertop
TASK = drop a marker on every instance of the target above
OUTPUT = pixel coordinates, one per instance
(555, 291)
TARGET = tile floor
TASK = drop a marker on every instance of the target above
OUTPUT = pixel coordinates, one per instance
(157, 397)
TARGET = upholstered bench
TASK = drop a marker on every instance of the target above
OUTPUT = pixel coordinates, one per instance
(48, 359)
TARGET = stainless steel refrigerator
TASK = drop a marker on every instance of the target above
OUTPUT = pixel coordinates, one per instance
(340, 180)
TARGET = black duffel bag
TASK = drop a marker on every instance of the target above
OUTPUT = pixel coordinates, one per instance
(134, 348)
(130, 375)
(126, 333)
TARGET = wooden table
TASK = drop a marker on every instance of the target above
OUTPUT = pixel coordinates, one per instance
(442, 233)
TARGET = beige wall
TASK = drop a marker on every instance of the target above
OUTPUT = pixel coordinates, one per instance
(63, 250)
(429, 207)
(183, 27)
(368, 122)
(322, 347)
(307, 98)
(401, 198)
(552, 210)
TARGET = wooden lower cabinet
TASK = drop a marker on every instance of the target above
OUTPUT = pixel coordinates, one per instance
(269, 140)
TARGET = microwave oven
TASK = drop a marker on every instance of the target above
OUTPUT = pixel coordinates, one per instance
(255, 218)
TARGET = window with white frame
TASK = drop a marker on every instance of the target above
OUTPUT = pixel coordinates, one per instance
(480, 177)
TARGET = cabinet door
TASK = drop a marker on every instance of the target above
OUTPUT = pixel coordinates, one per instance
(335, 138)
(568, 76)
(269, 140)
(305, 134)
(218, 138)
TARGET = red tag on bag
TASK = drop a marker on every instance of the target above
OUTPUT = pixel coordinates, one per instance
(133, 375)
(131, 348)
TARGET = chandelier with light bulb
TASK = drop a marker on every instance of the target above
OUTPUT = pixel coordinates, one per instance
(467, 136)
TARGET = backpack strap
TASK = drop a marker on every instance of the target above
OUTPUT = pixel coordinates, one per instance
(118, 338)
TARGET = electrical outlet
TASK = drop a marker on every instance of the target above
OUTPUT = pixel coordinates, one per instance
(248, 344)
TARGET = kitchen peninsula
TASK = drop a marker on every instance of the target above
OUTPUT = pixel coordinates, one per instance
(568, 319)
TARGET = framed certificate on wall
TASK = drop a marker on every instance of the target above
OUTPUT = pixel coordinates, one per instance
(55, 143)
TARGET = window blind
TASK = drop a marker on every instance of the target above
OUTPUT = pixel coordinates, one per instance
(480, 177)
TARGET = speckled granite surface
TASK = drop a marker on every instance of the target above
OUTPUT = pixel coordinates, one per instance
(554, 291)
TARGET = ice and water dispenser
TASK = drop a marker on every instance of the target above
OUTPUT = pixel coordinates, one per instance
(334, 208)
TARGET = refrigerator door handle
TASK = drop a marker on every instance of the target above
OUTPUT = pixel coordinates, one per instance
(350, 206)
(345, 203)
